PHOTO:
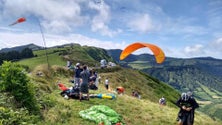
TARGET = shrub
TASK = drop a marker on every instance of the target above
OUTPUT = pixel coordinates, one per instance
(13, 79)
(18, 117)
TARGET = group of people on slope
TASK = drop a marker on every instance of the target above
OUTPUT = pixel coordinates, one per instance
(87, 79)
(187, 105)
(84, 78)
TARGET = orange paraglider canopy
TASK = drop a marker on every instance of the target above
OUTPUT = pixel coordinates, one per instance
(158, 53)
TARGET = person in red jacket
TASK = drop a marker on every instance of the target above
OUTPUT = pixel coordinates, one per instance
(120, 90)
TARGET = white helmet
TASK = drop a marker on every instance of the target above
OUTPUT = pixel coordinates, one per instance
(77, 64)
(184, 96)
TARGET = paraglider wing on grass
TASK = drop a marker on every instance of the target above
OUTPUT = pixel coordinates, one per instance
(101, 114)
(157, 51)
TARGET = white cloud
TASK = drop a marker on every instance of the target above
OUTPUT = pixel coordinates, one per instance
(195, 50)
(100, 21)
(13, 39)
(216, 45)
(59, 15)
(141, 23)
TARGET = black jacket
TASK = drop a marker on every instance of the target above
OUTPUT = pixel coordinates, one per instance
(191, 102)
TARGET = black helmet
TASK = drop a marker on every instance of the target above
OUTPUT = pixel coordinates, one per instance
(184, 96)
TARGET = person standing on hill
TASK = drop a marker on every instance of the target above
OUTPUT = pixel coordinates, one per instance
(77, 76)
(107, 83)
(187, 105)
(85, 82)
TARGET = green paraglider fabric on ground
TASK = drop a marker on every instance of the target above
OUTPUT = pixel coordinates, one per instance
(101, 114)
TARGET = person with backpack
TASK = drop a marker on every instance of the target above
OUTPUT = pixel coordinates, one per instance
(187, 105)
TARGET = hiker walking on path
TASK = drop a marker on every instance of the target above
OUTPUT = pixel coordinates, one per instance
(85, 82)
(187, 106)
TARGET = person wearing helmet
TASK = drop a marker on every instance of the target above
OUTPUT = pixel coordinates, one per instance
(187, 105)
(162, 101)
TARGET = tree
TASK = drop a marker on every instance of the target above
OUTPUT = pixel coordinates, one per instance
(26, 53)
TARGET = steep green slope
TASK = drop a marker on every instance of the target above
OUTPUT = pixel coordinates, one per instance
(146, 110)
(57, 110)
(148, 87)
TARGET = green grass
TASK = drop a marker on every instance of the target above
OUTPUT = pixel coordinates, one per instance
(207, 94)
(208, 91)
(53, 59)
(134, 111)
(212, 104)
(49, 51)
(139, 65)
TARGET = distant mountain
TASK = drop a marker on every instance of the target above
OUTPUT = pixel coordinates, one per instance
(20, 48)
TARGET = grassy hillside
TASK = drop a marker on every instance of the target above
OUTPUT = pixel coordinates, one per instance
(74, 53)
(58, 110)
(91, 56)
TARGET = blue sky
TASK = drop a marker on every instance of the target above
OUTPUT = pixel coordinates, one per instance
(182, 28)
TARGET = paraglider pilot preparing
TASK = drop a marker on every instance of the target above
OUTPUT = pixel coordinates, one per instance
(187, 106)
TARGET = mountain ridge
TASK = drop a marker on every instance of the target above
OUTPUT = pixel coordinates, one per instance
(20, 48)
